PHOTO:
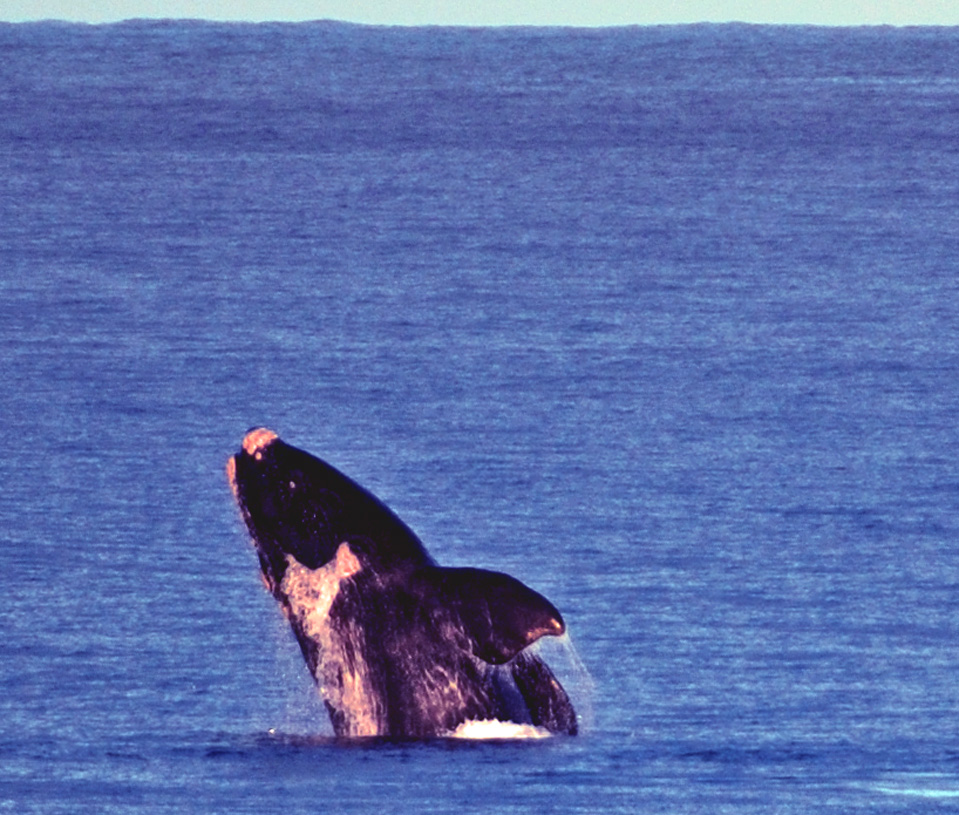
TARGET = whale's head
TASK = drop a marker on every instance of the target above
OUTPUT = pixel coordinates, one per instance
(285, 510)
(297, 506)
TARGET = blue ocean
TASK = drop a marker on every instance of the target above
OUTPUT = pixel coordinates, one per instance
(662, 321)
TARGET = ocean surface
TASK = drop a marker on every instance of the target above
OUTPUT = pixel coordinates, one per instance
(662, 321)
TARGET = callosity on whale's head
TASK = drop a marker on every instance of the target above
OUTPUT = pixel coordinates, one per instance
(296, 505)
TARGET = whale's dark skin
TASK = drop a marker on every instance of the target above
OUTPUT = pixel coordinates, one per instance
(398, 646)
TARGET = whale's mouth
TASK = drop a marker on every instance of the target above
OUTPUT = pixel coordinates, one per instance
(254, 445)
(240, 469)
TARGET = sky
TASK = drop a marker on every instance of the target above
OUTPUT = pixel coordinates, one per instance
(500, 12)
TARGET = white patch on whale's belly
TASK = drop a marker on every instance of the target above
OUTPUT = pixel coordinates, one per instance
(341, 672)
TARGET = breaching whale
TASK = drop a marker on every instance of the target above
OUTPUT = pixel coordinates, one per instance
(398, 645)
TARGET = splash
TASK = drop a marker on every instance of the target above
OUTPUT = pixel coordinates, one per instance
(561, 656)
(492, 729)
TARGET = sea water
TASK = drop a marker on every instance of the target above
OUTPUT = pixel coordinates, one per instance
(662, 321)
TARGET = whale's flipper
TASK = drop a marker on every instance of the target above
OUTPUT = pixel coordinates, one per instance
(448, 645)
(499, 614)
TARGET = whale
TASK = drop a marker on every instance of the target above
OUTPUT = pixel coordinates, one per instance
(398, 645)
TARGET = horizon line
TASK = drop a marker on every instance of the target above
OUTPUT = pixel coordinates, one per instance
(543, 25)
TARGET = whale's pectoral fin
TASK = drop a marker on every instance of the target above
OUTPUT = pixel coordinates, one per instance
(499, 615)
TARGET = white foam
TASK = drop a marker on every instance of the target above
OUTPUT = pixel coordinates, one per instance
(920, 785)
(480, 729)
